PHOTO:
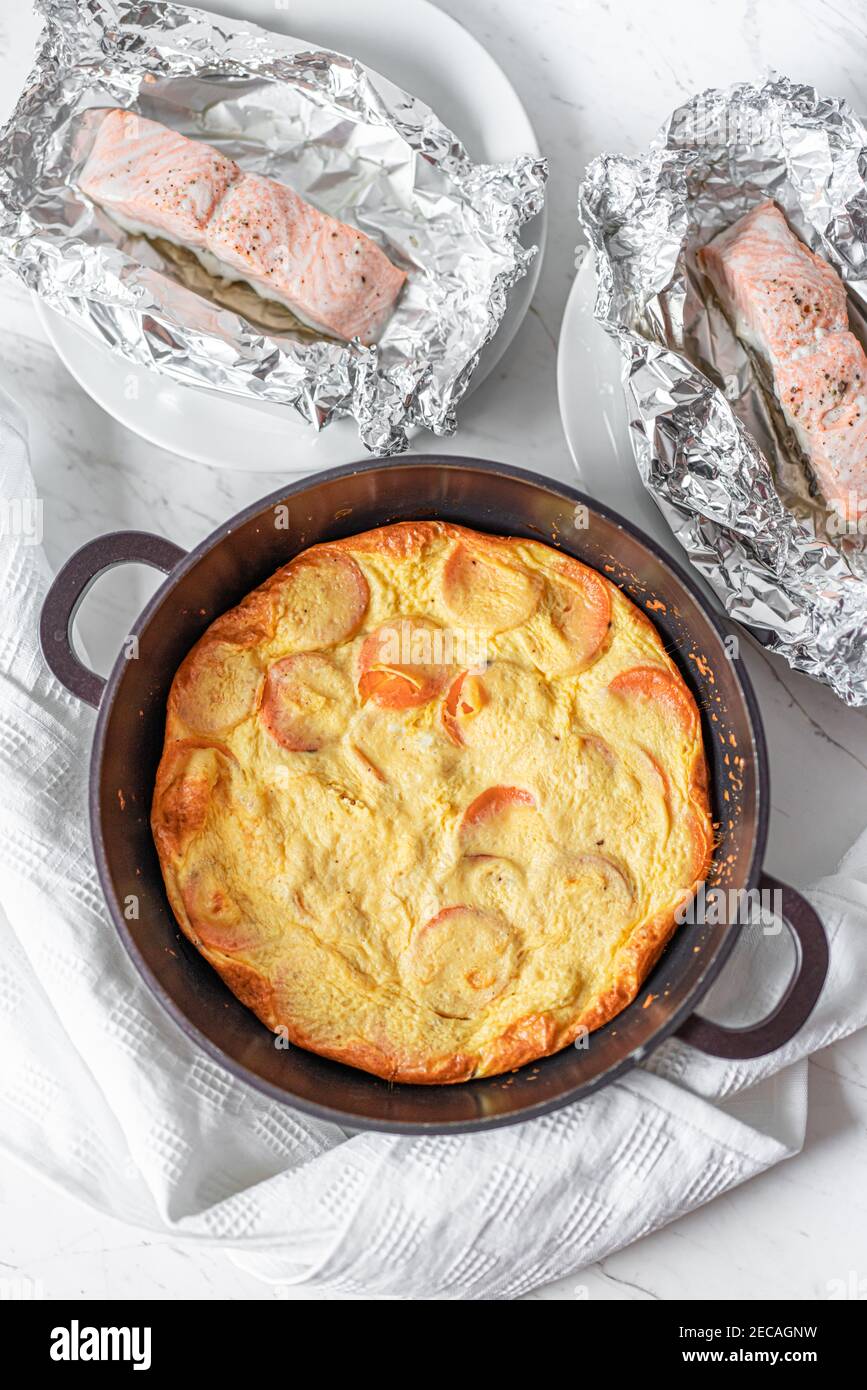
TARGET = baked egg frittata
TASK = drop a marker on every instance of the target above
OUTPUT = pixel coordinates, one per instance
(430, 799)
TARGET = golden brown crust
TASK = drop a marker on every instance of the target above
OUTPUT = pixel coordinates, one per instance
(276, 831)
(522, 1042)
(182, 793)
(399, 540)
(250, 986)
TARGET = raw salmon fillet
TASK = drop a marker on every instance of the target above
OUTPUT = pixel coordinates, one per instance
(241, 226)
(789, 307)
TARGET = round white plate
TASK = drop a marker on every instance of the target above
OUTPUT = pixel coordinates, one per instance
(427, 53)
(593, 411)
(595, 422)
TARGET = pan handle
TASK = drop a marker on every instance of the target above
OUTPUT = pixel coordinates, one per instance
(796, 1004)
(69, 587)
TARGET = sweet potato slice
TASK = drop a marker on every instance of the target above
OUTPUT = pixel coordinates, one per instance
(460, 960)
(306, 702)
(581, 610)
(404, 664)
(664, 690)
(465, 697)
(483, 590)
(322, 597)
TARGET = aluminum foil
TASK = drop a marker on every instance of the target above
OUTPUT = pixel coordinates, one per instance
(343, 137)
(708, 445)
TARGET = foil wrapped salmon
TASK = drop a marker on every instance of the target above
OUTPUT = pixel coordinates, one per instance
(247, 227)
(789, 307)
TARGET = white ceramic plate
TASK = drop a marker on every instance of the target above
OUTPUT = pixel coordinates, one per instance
(593, 412)
(427, 53)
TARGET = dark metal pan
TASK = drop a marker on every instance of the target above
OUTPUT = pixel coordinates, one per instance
(240, 555)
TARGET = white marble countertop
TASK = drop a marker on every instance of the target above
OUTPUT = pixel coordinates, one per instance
(593, 76)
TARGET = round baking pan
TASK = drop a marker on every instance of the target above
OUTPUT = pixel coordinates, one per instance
(235, 559)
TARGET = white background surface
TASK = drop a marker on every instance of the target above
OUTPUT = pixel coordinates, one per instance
(593, 76)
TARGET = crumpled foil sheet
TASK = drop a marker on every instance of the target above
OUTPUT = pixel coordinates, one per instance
(708, 447)
(349, 141)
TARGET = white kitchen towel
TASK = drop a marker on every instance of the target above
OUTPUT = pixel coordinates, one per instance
(105, 1097)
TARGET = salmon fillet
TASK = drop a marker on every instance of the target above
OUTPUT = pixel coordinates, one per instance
(824, 400)
(326, 272)
(789, 307)
(146, 175)
(241, 226)
(778, 295)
